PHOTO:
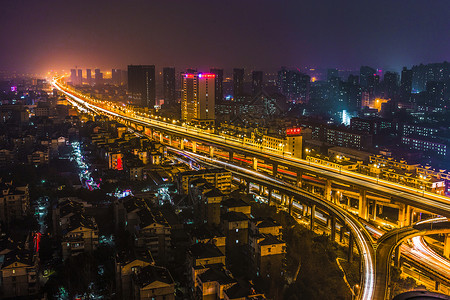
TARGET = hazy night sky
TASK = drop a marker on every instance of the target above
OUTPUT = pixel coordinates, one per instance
(43, 35)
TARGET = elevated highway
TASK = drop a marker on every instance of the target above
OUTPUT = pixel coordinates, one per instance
(423, 200)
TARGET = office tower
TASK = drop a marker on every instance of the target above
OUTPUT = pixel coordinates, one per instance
(332, 73)
(142, 83)
(116, 76)
(366, 76)
(88, 76)
(219, 84)
(98, 77)
(198, 99)
(238, 83)
(73, 76)
(80, 77)
(406, 83)
(169, 92)
(257, 82)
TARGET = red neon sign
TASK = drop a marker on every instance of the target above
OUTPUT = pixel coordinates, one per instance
(293, 131)
(200, 75)
(119, 162)
(206, 75)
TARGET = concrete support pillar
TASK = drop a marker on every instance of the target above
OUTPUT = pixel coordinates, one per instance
(312, 216)
(299, 179)
(248, 187)
(181, 144)
(170, 140)
(327, 190)
(230, 156)
(255, 163)
(211, 151)
(269, 196)
(437, 285)
(404, 215)
(363, 205)
(333, 229)
(447, 245)
(194, 146)
(397, 255)
(375, 209)
(350, 247)
(409, 212)
(291, 202)
(341, 234)
(161, 137)
(304, 210)
(274, 169)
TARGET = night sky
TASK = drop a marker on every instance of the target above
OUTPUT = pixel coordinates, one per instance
(39, 36)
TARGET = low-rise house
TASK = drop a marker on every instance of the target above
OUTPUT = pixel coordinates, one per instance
(19, 274)
(153, 283)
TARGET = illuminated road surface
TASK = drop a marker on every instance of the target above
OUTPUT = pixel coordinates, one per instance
(421, 199)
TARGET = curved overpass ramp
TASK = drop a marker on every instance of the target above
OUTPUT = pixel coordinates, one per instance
(389, 241)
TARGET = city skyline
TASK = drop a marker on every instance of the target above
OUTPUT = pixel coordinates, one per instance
(261, 35)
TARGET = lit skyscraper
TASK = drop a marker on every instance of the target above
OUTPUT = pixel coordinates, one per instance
(219, 84)
(198, 98)
(169, 92)
(141, 81)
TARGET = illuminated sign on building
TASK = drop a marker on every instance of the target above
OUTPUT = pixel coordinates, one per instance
(294, 131)
(200, 75)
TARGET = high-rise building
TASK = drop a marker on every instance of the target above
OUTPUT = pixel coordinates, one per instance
(439, 72)
(390, 84)
(406, 83)
(238, 83)
(73, 76)
(257, 82)
(98, 77)
(293, 84)
(142, 83)
(219, 84)
(366, 76)
(436, 94)
(198, 98)
(88, 76)
(80, 77)
(116, 76)
(169, 92)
